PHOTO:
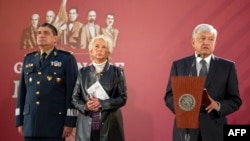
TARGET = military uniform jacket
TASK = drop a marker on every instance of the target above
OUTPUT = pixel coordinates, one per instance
(44, 96)
(113, 81)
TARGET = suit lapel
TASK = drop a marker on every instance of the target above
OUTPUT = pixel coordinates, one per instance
(213, 68)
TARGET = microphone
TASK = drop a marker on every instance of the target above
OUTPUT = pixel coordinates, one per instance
(187, 135)
(192, 66)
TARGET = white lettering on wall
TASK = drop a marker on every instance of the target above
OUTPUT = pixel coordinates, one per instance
(18, 67)
(16, 85)
(120, 64)
(83, 64)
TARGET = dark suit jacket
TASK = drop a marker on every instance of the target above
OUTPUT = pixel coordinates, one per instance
(221, 84)
(44, 96)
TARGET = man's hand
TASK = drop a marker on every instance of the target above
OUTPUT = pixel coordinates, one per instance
(214, 105)
(20, 130)
(67, 131)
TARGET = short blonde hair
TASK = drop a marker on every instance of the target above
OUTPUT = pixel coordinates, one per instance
(106, 39)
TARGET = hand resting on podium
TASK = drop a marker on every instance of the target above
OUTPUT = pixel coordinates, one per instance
(209, 102)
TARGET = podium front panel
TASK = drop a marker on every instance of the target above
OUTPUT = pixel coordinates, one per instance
(187, 95)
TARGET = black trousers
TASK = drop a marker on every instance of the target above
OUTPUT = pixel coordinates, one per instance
(43, 139)
(199, 137)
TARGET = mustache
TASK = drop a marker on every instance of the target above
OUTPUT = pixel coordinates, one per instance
(205, 46)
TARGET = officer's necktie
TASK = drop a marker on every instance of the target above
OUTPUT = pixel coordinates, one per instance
(203, 70)
(43, 58)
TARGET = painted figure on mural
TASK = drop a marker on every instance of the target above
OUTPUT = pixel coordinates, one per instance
(221, 83)
(72, 30)
(59, 19)
(44, 111)
(109, 30)
(50, 16)
(91, 29)
(28, 38)
(99, 94)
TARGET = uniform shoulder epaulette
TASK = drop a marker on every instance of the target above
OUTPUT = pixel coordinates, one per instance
(68, 52)
(33, 52)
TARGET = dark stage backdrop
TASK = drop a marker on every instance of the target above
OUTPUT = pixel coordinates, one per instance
(152, 33)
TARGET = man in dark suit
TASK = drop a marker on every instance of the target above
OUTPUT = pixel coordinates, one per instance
(221, 83)
(44, 111)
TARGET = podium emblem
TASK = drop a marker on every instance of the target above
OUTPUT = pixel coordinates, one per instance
(187, 102)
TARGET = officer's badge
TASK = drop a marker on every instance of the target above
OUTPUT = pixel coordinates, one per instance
(58, 80)
(49, 78)
(29, 65)
(56, 63)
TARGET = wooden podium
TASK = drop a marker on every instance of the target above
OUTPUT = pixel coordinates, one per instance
(187, 95)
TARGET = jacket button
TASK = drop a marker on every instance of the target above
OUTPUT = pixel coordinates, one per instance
(37, 102)
(39, 73)
(38, 82)
(37, 92)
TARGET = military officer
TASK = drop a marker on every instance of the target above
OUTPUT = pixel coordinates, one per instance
(44, 111)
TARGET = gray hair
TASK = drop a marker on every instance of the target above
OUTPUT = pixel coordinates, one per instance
(204, 28)
(105, 39)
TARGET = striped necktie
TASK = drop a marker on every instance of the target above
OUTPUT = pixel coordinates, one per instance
(203, 70)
